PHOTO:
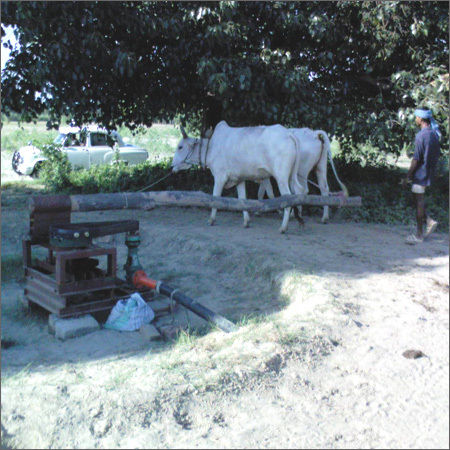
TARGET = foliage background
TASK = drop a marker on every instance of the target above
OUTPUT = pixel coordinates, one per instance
(355, 69)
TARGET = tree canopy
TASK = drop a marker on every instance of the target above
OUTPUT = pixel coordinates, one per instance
(354, 69)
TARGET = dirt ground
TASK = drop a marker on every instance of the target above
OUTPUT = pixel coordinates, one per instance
(325, 313)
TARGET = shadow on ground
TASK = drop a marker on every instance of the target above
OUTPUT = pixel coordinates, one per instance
(234, 271)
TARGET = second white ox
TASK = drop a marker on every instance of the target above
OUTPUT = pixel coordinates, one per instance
(235, 155)
(315, 148)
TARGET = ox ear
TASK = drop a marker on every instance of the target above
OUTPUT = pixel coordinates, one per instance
(183, 132)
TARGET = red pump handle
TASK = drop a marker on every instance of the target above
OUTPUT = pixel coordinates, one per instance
(140, 279)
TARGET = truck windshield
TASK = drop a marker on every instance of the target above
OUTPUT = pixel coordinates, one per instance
(60, 138)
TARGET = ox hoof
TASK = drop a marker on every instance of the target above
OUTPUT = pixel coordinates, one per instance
(325, 221)
(246, 224)
(282, 230)
(211, 222)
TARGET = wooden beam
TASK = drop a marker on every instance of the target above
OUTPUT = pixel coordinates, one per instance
(150, 200)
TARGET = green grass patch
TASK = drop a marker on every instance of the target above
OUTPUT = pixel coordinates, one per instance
(25, 186)
(187, 339)
(15, 136)
(253, 319)
(159, 140)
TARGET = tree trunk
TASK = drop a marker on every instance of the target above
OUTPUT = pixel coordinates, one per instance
(149, 200)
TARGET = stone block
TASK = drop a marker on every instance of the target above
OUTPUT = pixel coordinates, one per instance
(24, 301)
(149, 332)
(161, 305)
(170, 332)
(70, 328)
(52, 318)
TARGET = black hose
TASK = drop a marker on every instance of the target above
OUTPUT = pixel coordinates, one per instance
(197, 308)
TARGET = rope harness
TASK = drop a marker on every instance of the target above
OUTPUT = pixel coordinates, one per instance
(200, 143)
(156, 182)
(340, 194)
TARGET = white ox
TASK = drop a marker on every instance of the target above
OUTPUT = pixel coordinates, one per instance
(315, 148)
(235, 155)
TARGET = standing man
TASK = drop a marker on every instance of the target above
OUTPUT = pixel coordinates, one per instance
(421, 171)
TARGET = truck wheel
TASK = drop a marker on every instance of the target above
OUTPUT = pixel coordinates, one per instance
(37, 170)
(16, 160)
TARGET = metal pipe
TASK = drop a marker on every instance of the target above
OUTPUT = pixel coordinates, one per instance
(140, 279)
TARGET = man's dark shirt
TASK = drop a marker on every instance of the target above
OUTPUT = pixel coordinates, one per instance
(426, 152)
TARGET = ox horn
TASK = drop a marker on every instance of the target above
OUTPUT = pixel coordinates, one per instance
(183, 132)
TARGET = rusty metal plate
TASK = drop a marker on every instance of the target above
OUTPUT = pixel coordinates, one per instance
(80, 235)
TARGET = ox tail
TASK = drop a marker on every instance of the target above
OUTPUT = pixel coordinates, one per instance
(323, 137)
(294, 175)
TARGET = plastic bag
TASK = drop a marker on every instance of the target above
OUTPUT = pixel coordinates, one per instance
(129, 314)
